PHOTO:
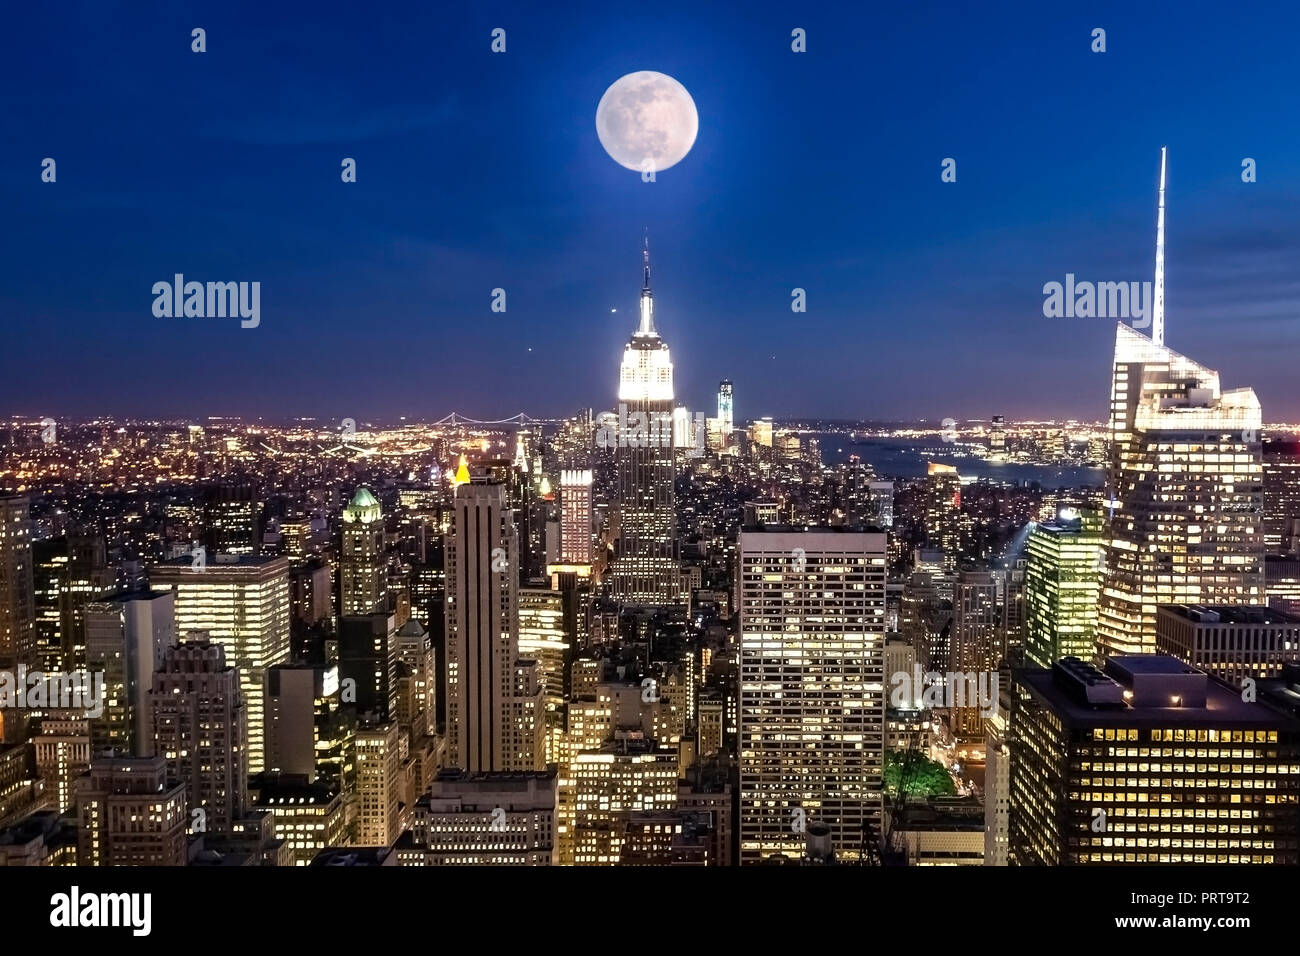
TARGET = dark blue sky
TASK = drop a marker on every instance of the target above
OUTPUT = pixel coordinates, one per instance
(475, 171)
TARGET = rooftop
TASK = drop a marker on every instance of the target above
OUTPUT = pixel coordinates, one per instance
(1228, 614)
(1154, 690)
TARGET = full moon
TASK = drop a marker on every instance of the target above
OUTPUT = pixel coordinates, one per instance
(647, 121)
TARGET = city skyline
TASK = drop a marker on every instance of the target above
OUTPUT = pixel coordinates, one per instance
(929, 501)
(903, 273)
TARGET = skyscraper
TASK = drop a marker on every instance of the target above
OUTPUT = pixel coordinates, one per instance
(482, 628)
(200, 730)
(378, 767)
(17, 598)
(979, 638)
(363, 576)
(646, 571)
(310, 731)
(1186, 494)
(1061, 584)
(1282, 496)
(575, 516)
(126, 637)
(998, 438)
(542, 638)
(812, 706)
(942, 511)
(232, 520)
(726, 407)
(242, 602)
(368, 658)
(1185, 483)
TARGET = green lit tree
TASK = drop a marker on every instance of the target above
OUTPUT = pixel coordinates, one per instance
(912, 773)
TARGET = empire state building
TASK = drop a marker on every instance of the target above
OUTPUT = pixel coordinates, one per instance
(645, 571)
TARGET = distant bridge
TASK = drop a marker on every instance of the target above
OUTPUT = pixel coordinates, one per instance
(455, 418)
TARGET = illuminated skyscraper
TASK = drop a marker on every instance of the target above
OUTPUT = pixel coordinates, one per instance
(1061, 584)
(979, 638)
(1186, 489)
(998, 438)
(726, 407)
(1231, 643)
(363, 575)
(378, 785)
(575, 516)
(485, 714)
(1186, 508)
(812, 705)
(646, 570)
(542, 639)
(942, 511)
(242, 602)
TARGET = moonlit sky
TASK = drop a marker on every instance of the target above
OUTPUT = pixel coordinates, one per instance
(476, 171)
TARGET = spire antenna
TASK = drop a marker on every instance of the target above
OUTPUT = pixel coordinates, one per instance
(1158, 305)
(647, 324)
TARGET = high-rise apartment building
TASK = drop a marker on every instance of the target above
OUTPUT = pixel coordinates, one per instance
(200, 730)
(979, 639)
(363, 571)
(646, 567)
(1062, 578)
(812, 704)
(69, 572)
(242, 603)
(417, 680)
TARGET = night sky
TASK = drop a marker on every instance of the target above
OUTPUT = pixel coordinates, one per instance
(476, 170)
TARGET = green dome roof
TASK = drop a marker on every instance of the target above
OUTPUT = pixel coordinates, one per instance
(363, 499)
